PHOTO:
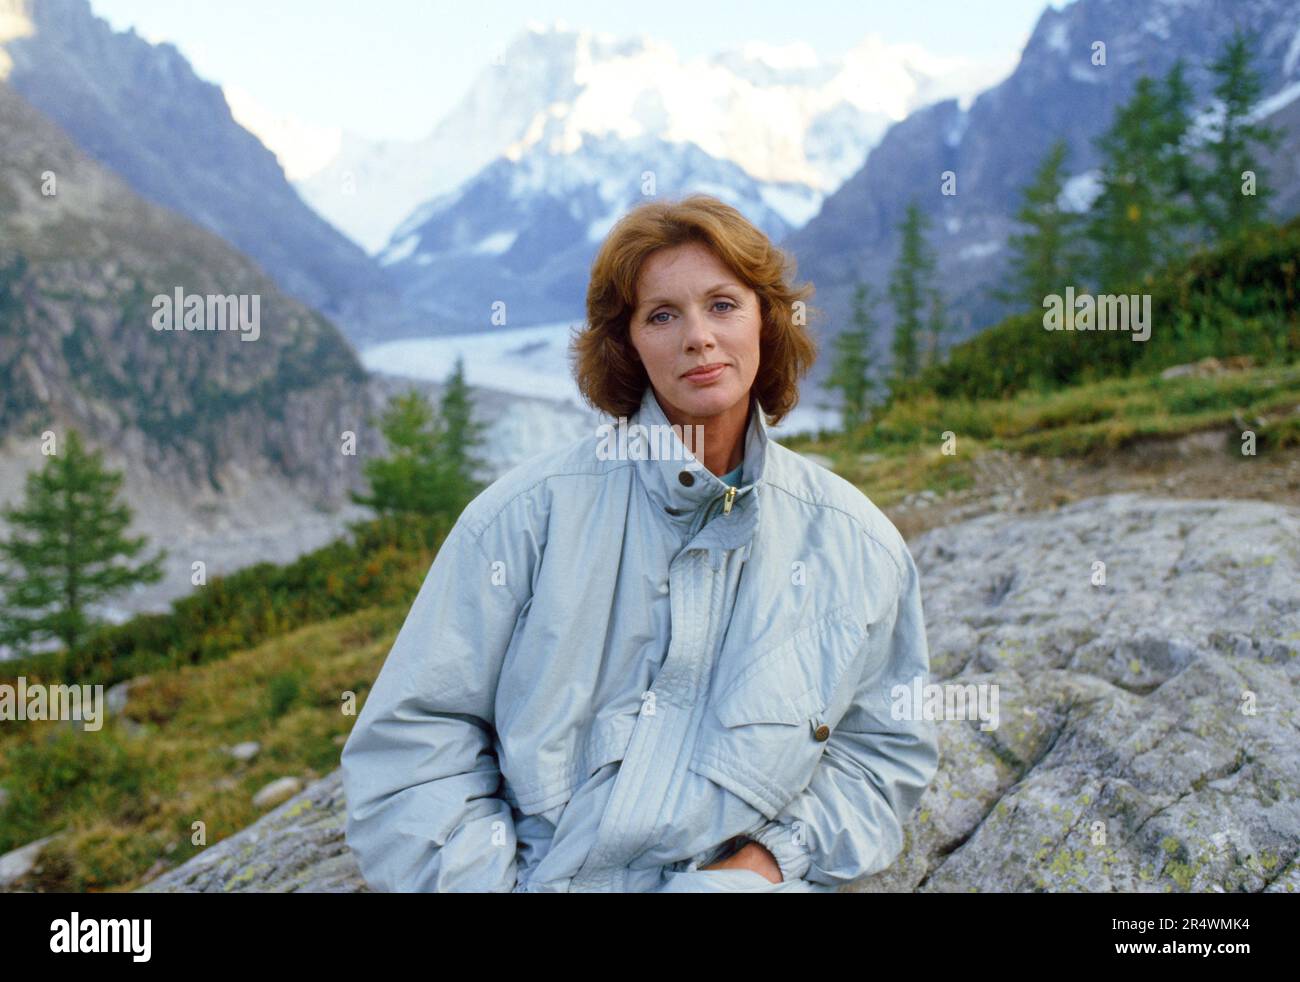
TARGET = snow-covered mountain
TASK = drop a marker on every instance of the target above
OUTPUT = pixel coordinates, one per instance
(524, 232)
(783, 115)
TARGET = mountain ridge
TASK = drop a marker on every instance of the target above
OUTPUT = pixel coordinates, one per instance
(140, 109)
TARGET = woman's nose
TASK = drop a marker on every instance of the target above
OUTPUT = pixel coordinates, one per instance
(696, 332)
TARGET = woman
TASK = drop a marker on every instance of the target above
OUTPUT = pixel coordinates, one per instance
(634, 668)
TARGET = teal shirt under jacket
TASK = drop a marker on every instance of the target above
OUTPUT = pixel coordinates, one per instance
(609, 679)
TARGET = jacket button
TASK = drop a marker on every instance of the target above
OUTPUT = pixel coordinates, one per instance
(686, 477)
(822, 732)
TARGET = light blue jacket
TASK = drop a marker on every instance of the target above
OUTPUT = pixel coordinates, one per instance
(612, 676)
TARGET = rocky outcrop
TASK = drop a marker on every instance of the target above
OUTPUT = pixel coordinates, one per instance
(1147, 736)
(1146, 721)
(297, 847)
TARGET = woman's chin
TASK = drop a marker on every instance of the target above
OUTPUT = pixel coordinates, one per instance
(707, 400)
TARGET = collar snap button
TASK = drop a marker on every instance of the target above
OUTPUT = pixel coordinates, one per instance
(686, 478)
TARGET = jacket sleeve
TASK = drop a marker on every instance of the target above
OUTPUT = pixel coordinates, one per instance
(420, 773)
(848, 822)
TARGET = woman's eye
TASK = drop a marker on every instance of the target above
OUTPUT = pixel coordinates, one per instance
(654, 318)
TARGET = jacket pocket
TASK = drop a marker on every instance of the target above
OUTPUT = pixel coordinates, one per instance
(553, 784)
(768, 728)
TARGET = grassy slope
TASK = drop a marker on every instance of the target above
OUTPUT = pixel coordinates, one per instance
(901, 452)
(128, 794)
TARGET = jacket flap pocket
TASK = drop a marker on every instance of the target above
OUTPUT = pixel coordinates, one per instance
(796, 680)
(758, 702)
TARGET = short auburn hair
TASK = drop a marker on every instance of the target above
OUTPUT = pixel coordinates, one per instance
(609, 374)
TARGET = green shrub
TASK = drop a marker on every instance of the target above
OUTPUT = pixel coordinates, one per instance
(382, 563)
(1241, 297)
(283, 691)
(67, 770)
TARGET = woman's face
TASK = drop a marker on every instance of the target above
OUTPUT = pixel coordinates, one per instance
(693, 312)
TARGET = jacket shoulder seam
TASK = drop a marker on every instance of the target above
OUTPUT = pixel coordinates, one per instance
(898, 568)
(486, 523)
(478, 541)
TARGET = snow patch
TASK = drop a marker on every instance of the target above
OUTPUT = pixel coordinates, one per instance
(598, 229)
(1058, 36)
(14, 24)
(795, 203)
(1089, 74)
(1292, 59)
(495, 244)
(302, 149)
(1079, 192)
(1158, 25)
(957, 130)
(1283, 97)
(403, 250)
(1292, 56)
(978, 250)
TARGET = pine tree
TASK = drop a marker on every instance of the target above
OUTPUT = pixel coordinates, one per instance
(1183, 179)
(909, 289)
(430, 467)
(1142, 218)
(851, 364)
(1045, 259)
(66, 550)
(1235, 143)
(407, 480)
(936, 326)
(458, 437)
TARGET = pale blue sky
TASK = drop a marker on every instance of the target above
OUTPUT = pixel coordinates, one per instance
(391, 68)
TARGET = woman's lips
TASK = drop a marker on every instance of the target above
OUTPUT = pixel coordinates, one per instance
(706, 376)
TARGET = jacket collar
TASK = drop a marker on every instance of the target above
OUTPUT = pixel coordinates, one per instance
(677, 482)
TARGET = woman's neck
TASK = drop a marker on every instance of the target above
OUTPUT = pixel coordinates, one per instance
(723, 435)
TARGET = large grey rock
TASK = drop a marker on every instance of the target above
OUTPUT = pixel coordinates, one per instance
(297, 847)
(1125, 755)
(18, 863)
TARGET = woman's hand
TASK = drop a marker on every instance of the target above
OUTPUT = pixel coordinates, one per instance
(752, 856)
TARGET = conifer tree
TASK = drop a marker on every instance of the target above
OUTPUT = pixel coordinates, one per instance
(459, 436)
(431, 461)
(936, 326)
(1231, 200)
(1143, 217)
(851, 364)
(1045, 258)
(67, 550)
(910, 289)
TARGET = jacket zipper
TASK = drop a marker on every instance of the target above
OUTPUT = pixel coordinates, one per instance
(726, 500)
